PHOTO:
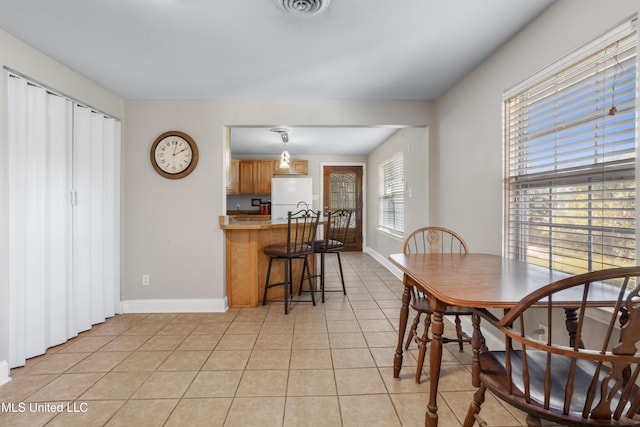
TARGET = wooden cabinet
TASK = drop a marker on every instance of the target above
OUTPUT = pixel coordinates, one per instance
(233, 184)
(255, 176)
(262, 179)
(297, 167)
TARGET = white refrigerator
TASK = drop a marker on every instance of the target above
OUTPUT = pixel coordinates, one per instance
(289, 194)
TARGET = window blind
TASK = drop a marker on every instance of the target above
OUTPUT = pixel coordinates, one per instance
(391, 193)
(570, 163)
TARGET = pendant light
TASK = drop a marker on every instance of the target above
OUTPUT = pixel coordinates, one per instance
(285, 157)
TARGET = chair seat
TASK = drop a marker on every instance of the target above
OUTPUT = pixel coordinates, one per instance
(282, 250)
(493, 375)
(327, 246)
(422, 304)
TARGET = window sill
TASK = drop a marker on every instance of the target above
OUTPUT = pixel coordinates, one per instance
(392, 234)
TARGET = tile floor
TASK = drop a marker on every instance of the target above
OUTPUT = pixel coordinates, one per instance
(328, 365)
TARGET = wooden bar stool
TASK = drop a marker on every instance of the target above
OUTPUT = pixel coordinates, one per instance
(301, 233)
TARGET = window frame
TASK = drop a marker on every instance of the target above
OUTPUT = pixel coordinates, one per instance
(391, 190)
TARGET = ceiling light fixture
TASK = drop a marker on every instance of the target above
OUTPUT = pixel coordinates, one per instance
(285, 158)
(302, 7)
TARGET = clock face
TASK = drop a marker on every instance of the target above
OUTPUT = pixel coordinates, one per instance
(174, 154)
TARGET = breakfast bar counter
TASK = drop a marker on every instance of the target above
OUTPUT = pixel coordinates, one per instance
(246, 263)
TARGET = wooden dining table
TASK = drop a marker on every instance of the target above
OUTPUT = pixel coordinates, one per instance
(479, 281)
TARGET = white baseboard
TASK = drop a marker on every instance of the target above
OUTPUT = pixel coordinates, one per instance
(213, 305)
(4, 372)
(384, 261)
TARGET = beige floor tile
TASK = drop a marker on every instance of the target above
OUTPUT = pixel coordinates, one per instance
(141, 361)
(376, 325)
(272, 341)
(199, 342)
(244, 328)
(86, 344)
(19, 388)
(237, 342)
(381, 339)
(359, 381)
(65, 387)
(340, 326)
(126, 343)
(162, 342)
(347, 340)
(178, 328)
(406, 383)
(311, 359)
(306, 341)
(100, 362)
(277, 328)
(89, 413)
(352, 358)
(116, 385)
(269, 359)
(227, 360)
(185, 360)
(311, 382)
(200, 412)
(411, 408)
(25, 418)
(143, 413)
(165, 385)
(263, 383)
(368, 410)
(493, 411)
(310, 327)
(317, 411)
(214, 384)
(256, 412)
(56, 363)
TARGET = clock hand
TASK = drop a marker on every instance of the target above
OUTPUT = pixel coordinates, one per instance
(184, 149)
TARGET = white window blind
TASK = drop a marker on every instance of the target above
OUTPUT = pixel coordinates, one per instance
(570, 163)
(391, 194)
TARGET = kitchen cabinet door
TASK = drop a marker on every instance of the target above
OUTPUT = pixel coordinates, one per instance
(263, 173)
(233, 186)
(246, 176)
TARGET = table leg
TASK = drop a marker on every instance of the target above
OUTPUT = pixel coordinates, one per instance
(476, 342)
(404, 315)
(435, 360)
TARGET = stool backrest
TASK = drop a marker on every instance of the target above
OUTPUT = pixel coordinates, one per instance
(301, 233)
(337, 226)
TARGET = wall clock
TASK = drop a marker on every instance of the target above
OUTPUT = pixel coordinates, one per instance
(174, 154)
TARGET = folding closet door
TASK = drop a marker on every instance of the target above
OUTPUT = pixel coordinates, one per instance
(63, 192)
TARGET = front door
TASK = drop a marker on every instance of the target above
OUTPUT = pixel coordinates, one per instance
(343, 190)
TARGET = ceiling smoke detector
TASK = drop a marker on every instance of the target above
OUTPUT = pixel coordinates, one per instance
(302, 7)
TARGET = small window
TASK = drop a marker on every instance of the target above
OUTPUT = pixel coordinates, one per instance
(391, 194)
(570, 161)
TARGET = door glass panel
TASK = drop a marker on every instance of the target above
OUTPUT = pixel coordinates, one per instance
(342, 187)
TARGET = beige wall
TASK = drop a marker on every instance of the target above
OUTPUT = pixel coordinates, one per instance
(466, 160)
(171, 227)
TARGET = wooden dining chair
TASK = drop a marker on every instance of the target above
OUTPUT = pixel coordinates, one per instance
(433, 240)
(301, 234)
(566, 383)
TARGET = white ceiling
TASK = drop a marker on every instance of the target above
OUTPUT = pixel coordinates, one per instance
(251, 49)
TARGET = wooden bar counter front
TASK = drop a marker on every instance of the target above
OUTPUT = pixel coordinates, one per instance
(247, 264)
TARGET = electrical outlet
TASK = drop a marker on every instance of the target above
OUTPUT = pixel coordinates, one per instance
(146, 280)
(238, 206)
